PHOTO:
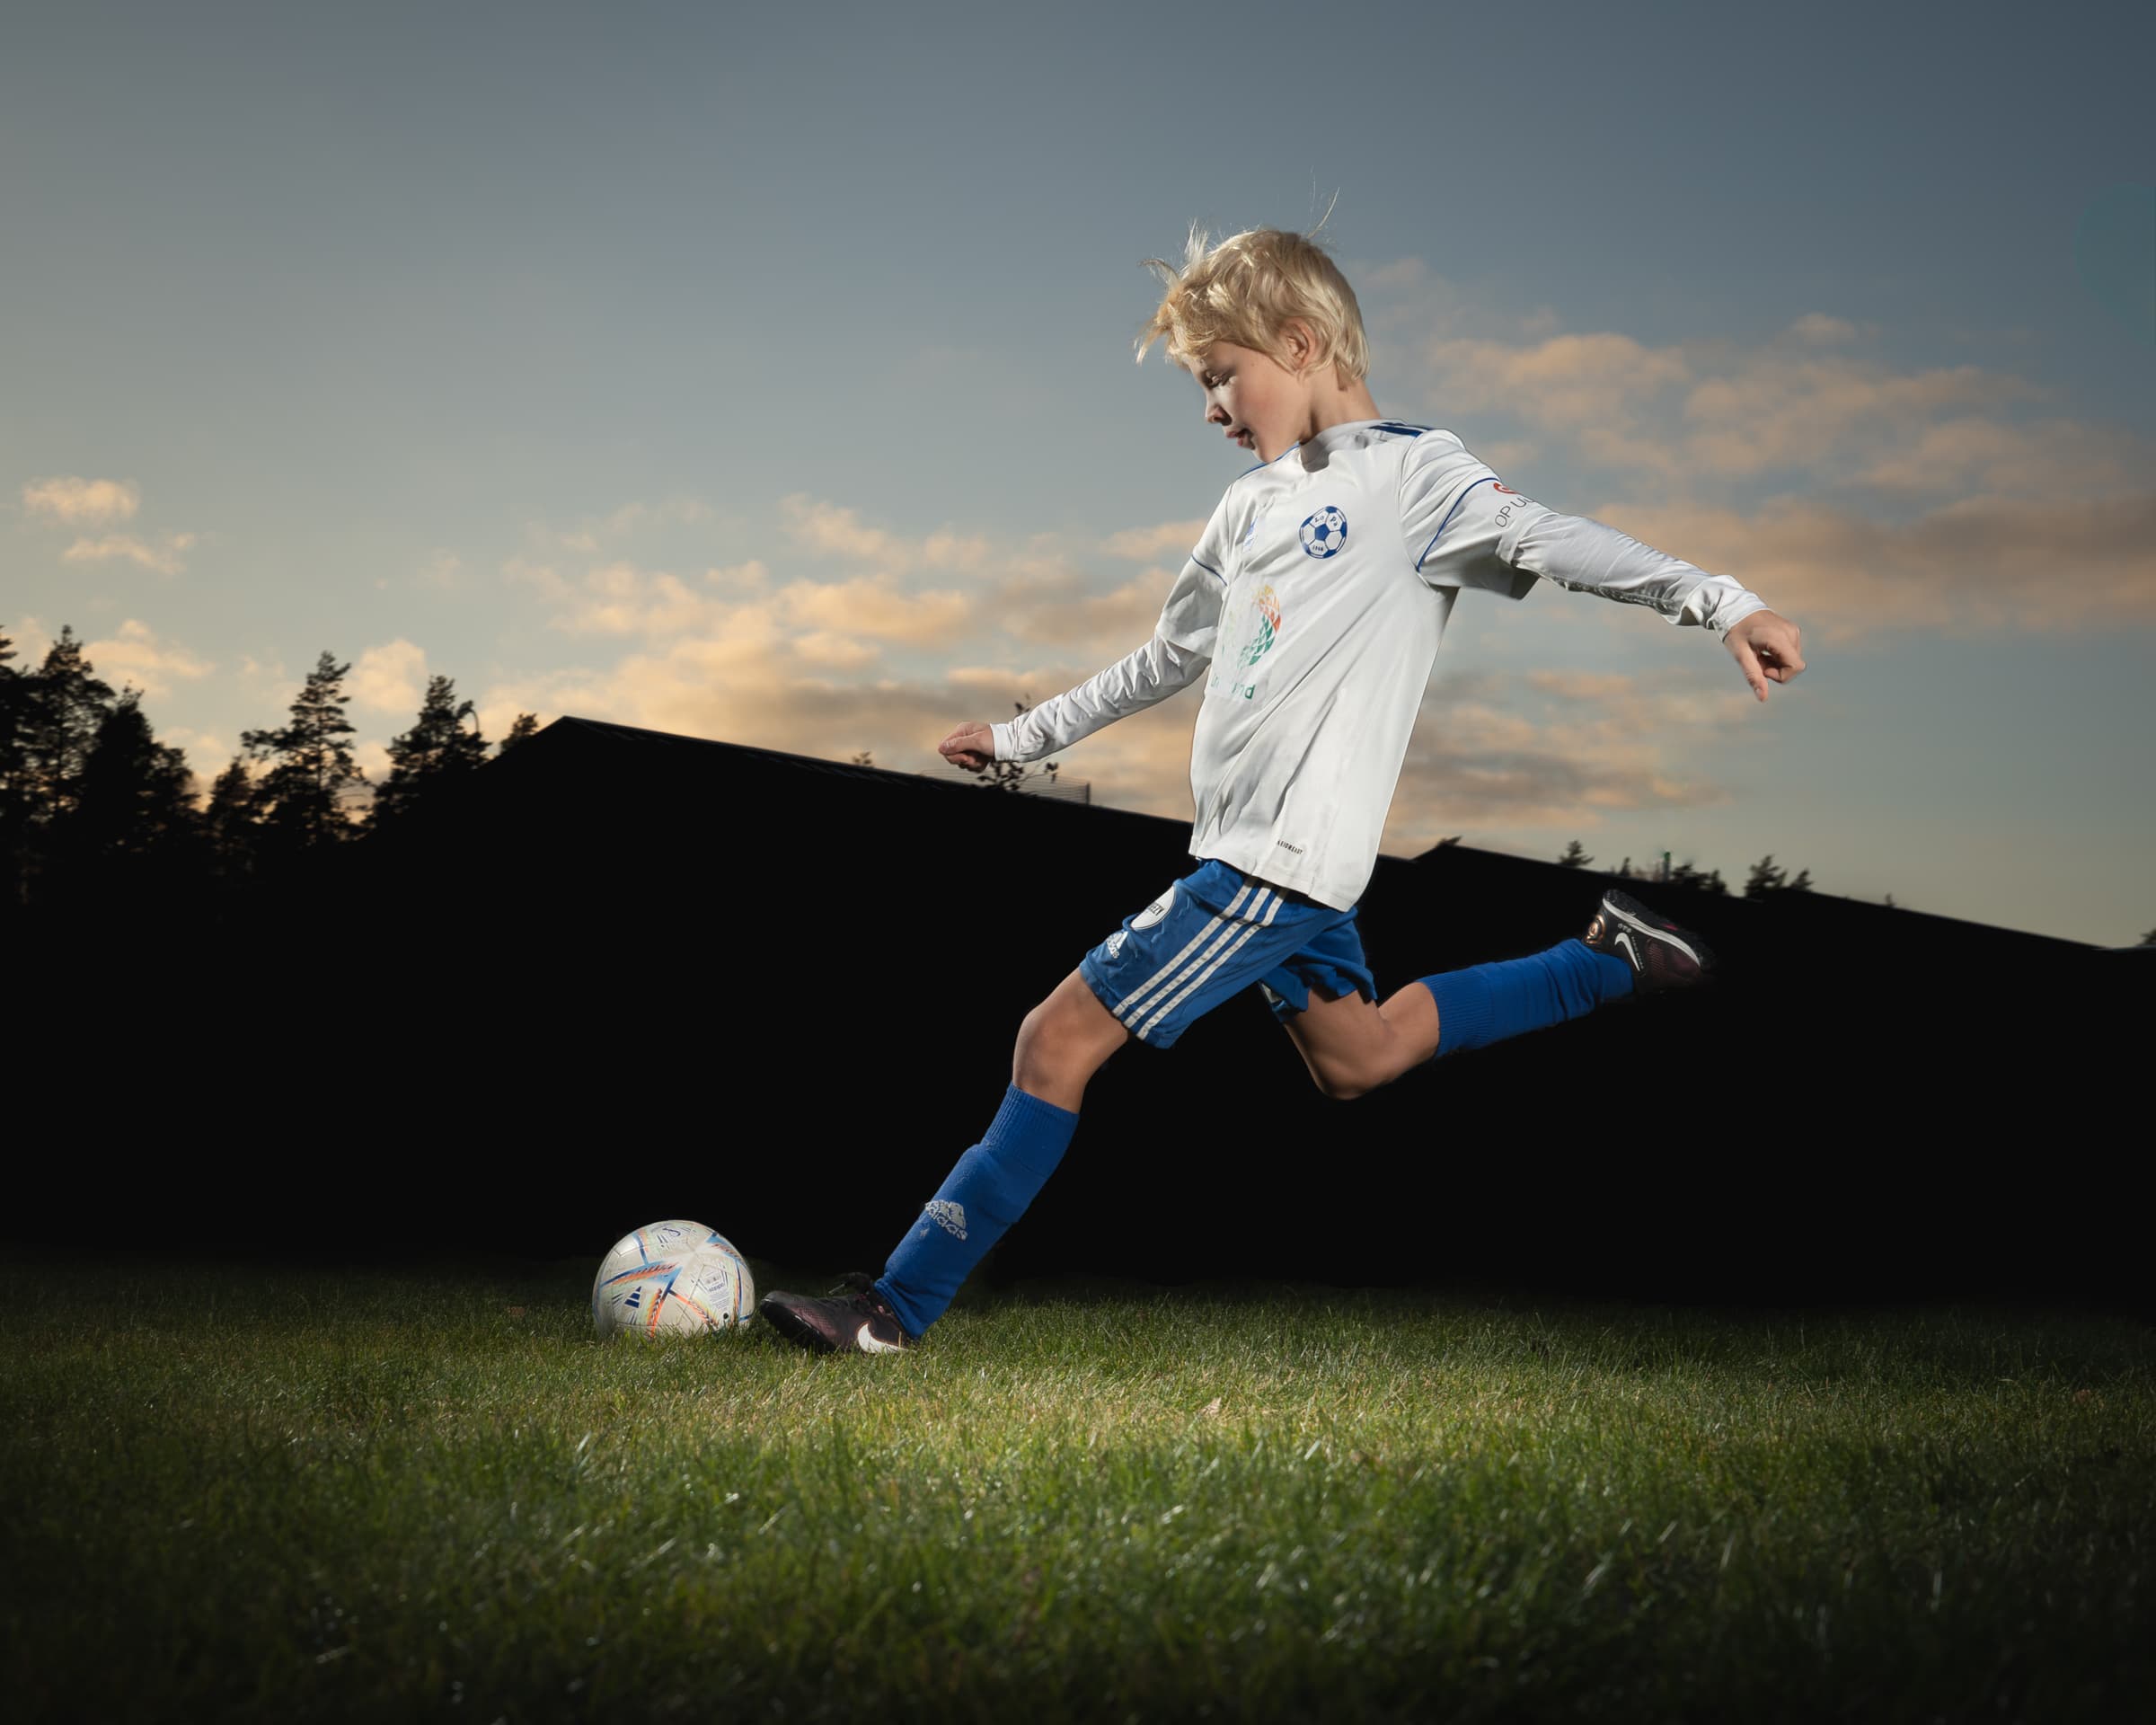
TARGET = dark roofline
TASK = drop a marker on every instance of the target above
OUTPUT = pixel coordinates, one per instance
(607, 732)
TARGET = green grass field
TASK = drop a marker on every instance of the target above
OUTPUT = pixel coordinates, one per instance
(277, 1495)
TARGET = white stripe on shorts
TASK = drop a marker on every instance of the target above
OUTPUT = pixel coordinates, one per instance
(1161, 976)
(1225, 924)
(1198, 981)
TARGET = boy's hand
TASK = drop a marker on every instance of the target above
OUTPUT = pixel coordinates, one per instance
(971, 747)
(1767, 647)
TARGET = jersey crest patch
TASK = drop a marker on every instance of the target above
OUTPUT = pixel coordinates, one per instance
(1267, 607)
(1325, 532)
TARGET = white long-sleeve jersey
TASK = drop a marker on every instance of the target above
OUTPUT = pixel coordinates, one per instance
(1318, 595)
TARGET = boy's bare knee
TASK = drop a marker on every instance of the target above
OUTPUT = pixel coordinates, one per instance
(1057, 1050)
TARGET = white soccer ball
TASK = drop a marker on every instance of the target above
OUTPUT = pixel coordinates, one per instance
(671, 1278)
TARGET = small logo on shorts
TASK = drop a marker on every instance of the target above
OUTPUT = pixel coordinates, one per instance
(949, 1217)
(1153, 912)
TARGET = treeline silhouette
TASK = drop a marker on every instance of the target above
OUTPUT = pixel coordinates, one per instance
(1764, 878)
(96, 812)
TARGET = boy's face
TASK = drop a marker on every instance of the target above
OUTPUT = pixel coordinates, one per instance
(1260, 402)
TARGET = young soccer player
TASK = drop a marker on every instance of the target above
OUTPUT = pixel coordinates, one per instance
(1313, 607)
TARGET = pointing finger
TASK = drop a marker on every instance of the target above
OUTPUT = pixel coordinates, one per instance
(1748, 662)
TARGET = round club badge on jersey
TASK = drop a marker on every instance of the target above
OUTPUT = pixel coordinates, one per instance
(1325, 532)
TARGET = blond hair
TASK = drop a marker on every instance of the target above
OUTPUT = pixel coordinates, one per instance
(1245, 290)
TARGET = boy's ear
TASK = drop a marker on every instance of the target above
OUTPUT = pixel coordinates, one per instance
(1302, 344)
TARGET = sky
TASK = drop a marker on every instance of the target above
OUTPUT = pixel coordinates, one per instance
(766, 373)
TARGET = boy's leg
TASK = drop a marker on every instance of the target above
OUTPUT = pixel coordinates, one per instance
(1201, 942)
(1352, 1046)
(1062, 1042)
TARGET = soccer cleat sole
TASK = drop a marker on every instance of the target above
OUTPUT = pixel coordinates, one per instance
(794, 1327)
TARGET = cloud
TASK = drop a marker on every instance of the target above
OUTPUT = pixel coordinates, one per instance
(1771, 413)
(1141, 544)
(1556, 749)
(30, 639)
(134, 655)
(82, 502)
(164, 562)
(390, 678)
(1988, 455)
(1587, 388)
(620, 599)
(876, 609)
(2046, 563)
(443, 572)
(830, 530)
(1816, 326)
(778, 660)
(592, 532)
(373, 759)
(1696, 417)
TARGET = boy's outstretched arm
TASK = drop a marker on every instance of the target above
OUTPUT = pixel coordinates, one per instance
(1466, 529)
(1175, 657)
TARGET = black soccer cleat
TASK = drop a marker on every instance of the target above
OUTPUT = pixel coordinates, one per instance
(1662, 955)
(852, 1318)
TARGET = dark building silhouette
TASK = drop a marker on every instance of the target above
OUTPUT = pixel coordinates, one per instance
(730, 971)
(628, 975)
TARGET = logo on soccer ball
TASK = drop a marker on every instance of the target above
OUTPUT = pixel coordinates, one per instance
(1325, 532)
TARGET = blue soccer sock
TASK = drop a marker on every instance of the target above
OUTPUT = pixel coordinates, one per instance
(984, 1194)
(1488, 1003)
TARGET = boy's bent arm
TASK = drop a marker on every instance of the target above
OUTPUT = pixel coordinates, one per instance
(1175, 657)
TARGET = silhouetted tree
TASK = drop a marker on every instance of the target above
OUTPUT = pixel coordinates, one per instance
(1016, 775)
(867, 757)
(1890, 904)
(2150, 938)
(1575, 856)
(231, 820)
(1683, 874)
(435, 756)
(137, 797)
(526, 724)
(15, 691)
(310, 768)
(1766, 877)
(64, 706)
(1624, 870)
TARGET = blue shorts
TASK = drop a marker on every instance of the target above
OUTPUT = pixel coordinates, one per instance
(1214, 934)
